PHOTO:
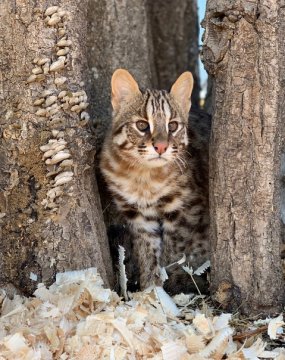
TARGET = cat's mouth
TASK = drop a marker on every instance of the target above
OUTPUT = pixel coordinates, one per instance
(158, 161)
(157, 158)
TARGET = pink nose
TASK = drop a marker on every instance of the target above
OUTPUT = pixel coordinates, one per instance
(160, 147)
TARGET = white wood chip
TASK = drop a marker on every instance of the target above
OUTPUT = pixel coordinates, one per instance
(274, 325)
(166, 302)
(77, 318)
(122, 270)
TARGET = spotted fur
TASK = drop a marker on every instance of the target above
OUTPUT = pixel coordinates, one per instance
(163, 197)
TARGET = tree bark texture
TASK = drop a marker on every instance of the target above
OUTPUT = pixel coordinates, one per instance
(244, 51)
(175, 32)
(48, 225)
(281, 44)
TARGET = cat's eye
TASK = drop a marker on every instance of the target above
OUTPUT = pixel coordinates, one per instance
(173, 126)
(142, 125)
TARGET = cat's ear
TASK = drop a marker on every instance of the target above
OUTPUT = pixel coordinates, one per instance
(182, 89)
(124, 87)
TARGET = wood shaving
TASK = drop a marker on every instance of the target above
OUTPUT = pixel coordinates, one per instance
(274, 325)
(76, 318)
(122, 271)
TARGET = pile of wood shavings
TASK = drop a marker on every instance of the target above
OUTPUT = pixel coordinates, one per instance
(76, 318)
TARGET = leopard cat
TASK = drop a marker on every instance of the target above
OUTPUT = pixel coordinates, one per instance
(155, 166)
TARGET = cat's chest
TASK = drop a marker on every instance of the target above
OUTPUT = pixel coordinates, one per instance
(144, 189)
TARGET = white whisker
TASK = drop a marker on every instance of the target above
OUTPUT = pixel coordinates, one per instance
(182, 161)
(177, 163)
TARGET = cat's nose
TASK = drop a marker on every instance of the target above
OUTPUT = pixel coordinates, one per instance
(160, 147)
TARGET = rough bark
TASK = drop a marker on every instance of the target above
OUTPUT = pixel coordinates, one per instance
(41, 234)
(281, 32)
(243, 50)
(175, 32)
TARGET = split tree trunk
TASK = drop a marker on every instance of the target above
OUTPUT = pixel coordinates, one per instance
(244, 51)
(44, 231)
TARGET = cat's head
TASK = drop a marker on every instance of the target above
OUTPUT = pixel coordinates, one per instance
(150, 128)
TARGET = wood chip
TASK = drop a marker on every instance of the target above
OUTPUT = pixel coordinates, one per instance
(77, 318)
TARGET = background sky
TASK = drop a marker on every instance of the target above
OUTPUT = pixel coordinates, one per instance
(201, 13)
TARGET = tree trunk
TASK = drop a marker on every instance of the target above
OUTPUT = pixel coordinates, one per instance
(175, 32)
(51, 218)
(244, 51)
(281, 44)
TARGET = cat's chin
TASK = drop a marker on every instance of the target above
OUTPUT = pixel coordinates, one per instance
(157, 162)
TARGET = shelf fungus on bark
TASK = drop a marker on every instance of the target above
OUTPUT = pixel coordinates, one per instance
(50, 100)
(39, 101)
(51, 10)
(60, 80)
(41, 112)
(57, 158)
(47, 92)
(43, 61)
(58, 64)
(54, 15)
(53, 20)
(31, 78)
(37, 70)
(63, 178)
(63, 51)
(64, 42)
(53, 104)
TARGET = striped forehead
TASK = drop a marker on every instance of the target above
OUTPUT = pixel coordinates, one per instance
(157, 107)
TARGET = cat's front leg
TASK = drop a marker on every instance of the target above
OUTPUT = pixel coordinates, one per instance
(147, 246)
